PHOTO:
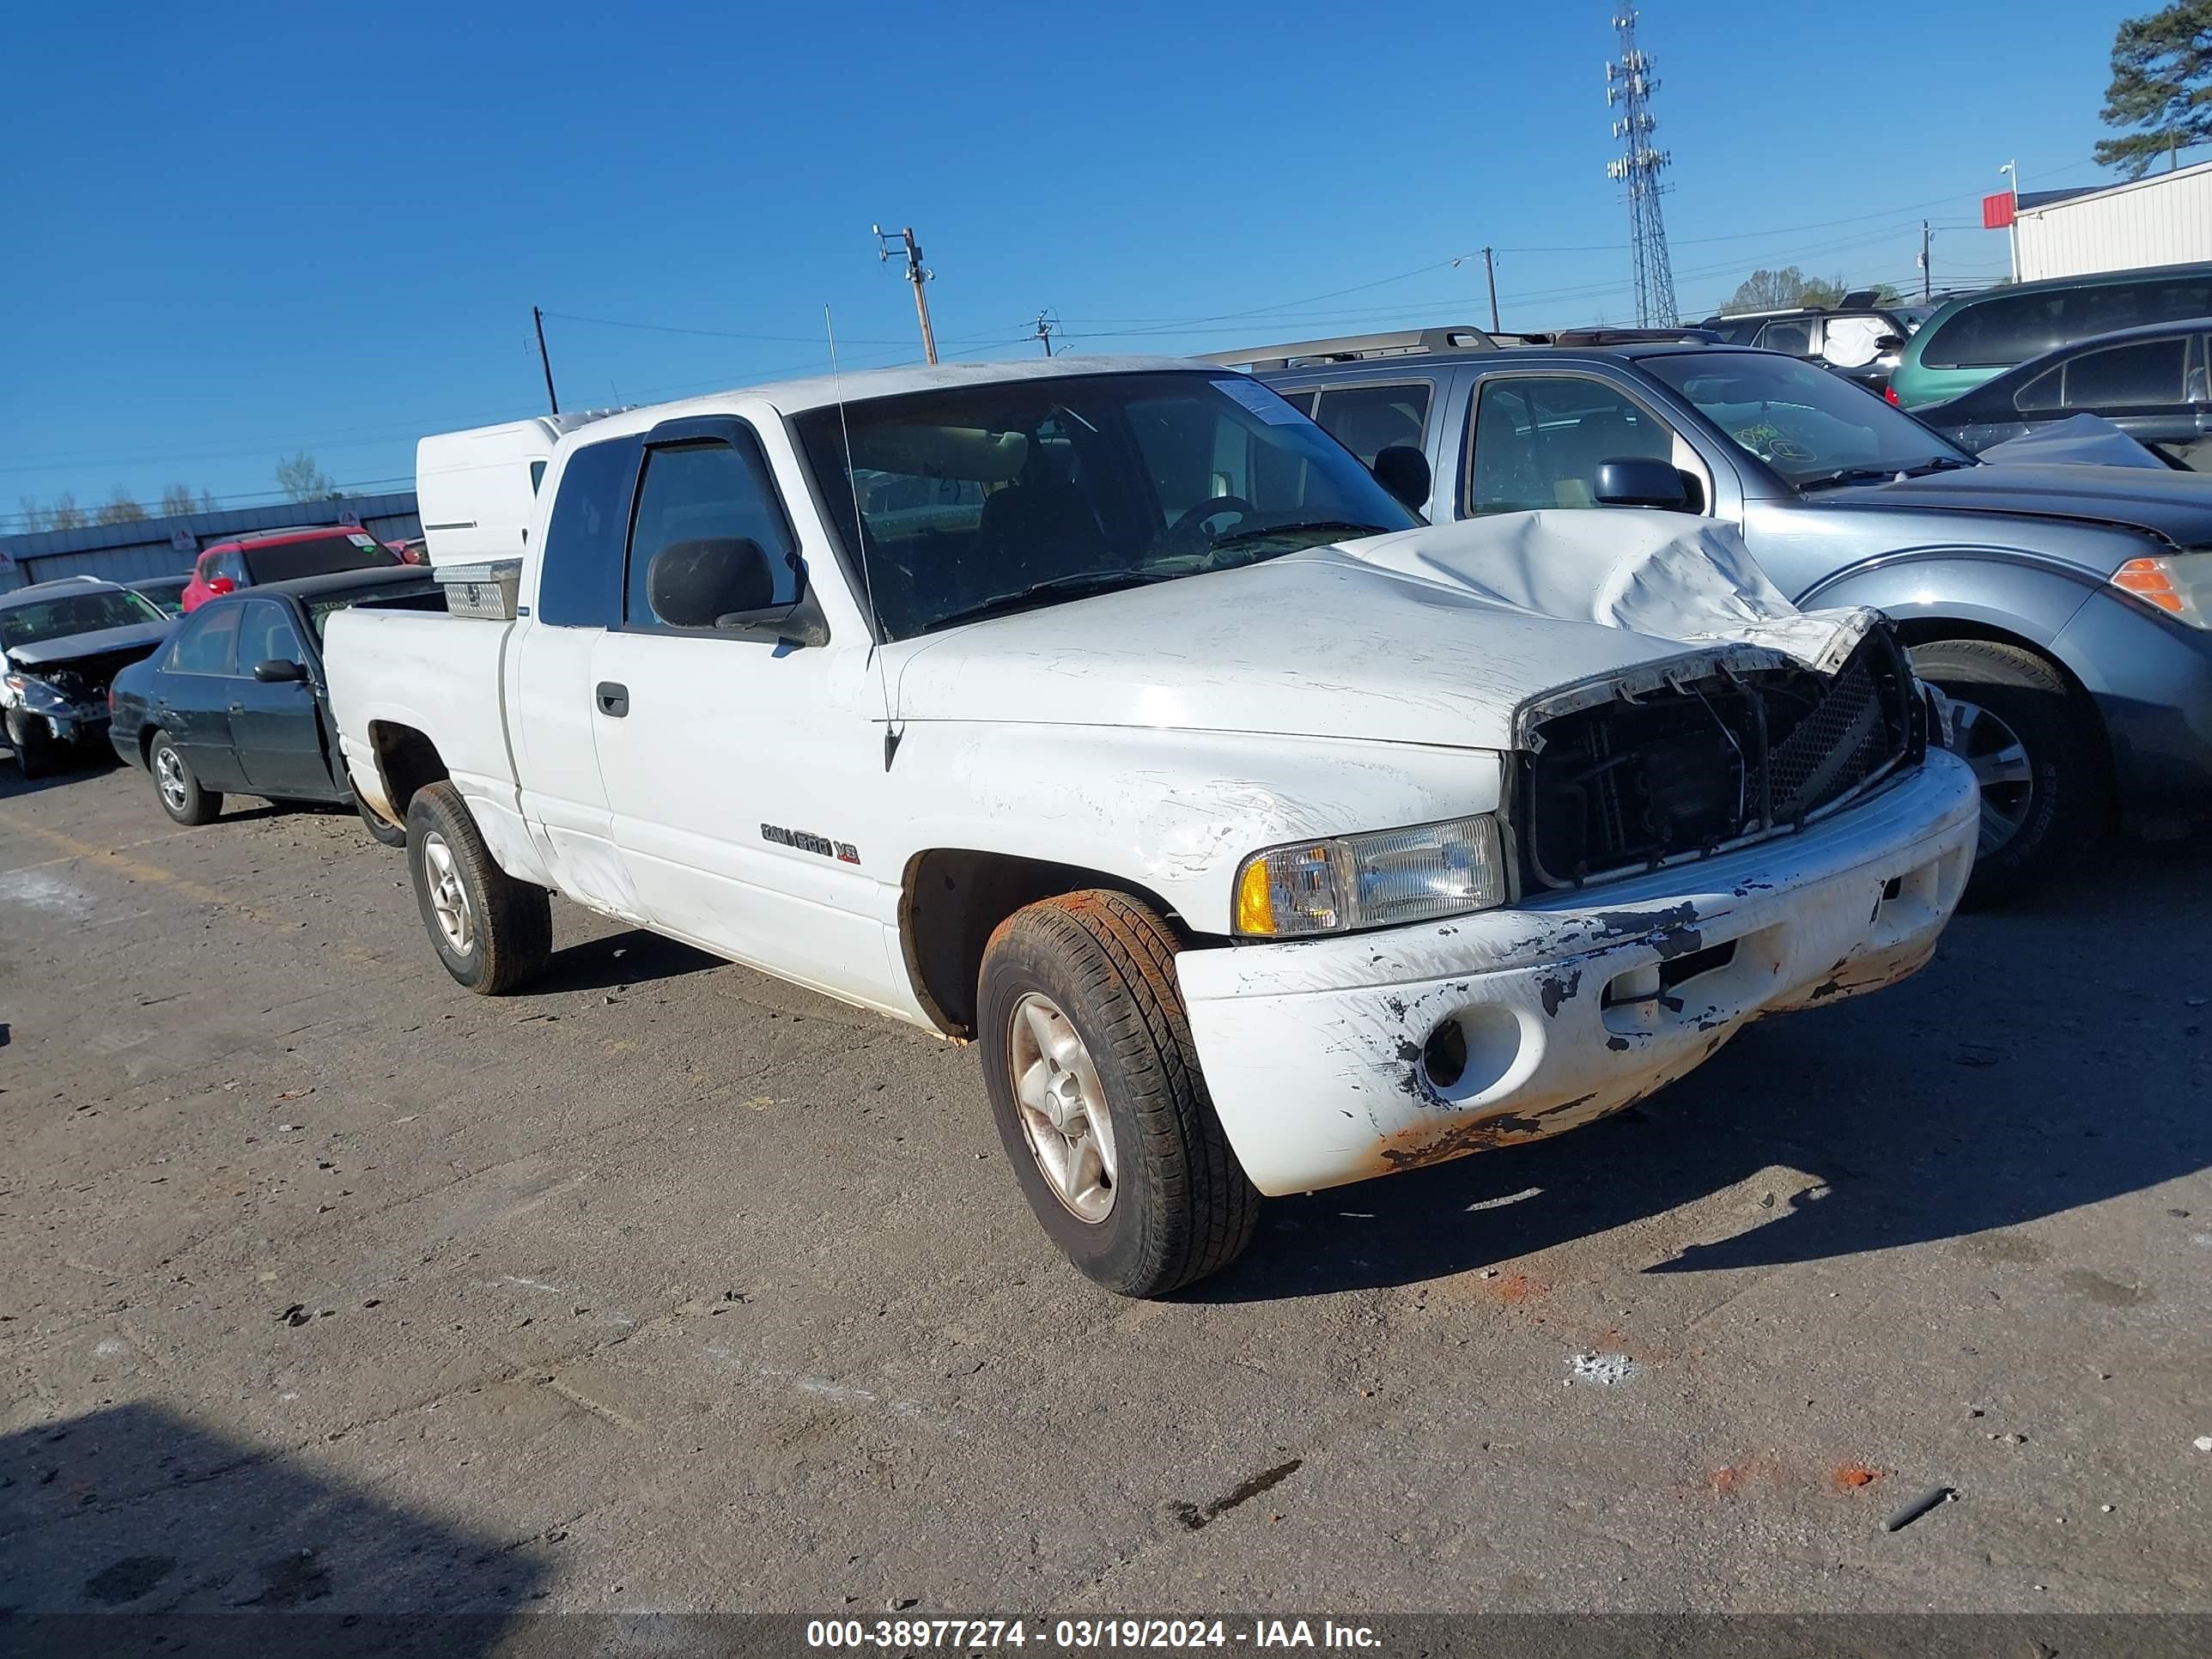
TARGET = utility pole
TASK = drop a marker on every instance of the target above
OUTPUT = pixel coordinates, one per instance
(2012, 229)
(1489, 270)
(1046, 323)
(915, 274)
(539, 318)
(1926, 275)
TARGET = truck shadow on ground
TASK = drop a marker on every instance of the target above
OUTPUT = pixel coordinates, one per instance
(133, 1528)
(636, 957)
(2050, 1058)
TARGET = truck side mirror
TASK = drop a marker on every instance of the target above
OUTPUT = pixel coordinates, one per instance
(728, 582)
(698, 584)
(1641, 481)
(1404, 472)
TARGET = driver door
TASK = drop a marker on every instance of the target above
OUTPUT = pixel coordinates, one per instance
(730, 759)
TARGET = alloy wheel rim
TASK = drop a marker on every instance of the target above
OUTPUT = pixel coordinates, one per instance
(1063, 1107)
(169, 778)
(2000, 766)
(449, 896)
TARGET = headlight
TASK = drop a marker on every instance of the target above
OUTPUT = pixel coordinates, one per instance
(2179, 584)
(1375, 880)
(37, 694)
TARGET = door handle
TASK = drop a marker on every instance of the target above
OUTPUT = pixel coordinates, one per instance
(613, 699)
(238, 709)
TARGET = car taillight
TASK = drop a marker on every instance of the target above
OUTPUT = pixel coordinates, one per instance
(1890, 393)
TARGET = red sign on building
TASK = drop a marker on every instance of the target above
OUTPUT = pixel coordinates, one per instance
(1996, 210)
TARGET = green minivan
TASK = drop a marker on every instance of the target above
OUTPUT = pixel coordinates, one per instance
(1972, 338)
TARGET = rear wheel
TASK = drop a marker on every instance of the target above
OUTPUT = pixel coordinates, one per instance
(36, 751)
(2032, 745)
(391, 835)
(494, 933)
(1094, 1082)
(182, 796)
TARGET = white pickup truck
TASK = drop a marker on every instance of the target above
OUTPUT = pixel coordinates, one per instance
(1110, 715)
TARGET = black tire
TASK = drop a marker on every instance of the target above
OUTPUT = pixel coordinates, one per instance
(508, 936)
(1181, 1207)
(195, 804)
(2065, 799)
(390, 835)
(36, 751)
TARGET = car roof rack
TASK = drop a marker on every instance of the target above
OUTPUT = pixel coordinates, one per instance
(1603, 337)
(1353, 348)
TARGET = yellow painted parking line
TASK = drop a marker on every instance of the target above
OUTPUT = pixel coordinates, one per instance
(136, 869)
(74, 851)
(71, 858)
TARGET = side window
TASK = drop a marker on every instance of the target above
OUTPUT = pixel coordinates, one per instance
(537, 475)
(267, 635)
(231, 565)
(1792, 335)
(707, 491)
(580, 571)
(2145, 372)
(1368, 419)
(2041, 393)
(209, 644)
(1538, 440)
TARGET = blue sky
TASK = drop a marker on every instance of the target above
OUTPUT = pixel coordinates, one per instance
(243, 230)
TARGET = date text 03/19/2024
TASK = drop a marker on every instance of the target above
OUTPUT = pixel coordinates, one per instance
(1084, 1634)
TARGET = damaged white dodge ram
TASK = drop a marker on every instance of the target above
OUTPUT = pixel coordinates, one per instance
(1112, 716)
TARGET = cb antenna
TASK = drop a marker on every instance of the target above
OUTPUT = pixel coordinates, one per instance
(860, 543)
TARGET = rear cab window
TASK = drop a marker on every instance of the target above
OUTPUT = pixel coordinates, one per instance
(580, 567)
(323, 556)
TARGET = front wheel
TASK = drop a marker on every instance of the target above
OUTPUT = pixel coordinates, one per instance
(494, 933)
(2031, 743)
(1094, 1083)
(182, 795)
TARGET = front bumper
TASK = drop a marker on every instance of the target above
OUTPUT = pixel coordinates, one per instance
(72, 725)
(2151, 682)
(1319, 1057)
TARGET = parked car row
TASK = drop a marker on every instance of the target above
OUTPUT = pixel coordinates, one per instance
(1271, 764)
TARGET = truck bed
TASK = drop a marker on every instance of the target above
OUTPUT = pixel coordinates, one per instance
(430, 671)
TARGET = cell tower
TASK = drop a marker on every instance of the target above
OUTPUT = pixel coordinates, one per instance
(1629, 84)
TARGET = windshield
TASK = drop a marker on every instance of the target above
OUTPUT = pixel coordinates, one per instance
(284, 561)
(75, 613)
(1813, 428)
(986, 498)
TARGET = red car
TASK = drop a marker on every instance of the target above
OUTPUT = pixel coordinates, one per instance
(282, 555)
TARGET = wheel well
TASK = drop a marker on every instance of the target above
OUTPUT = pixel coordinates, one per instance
(954, 900)
(407, 760)
(146, 744)
(1925, 631)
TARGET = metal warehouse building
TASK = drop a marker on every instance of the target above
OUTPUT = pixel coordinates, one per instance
(167, 547)
(2161, 219)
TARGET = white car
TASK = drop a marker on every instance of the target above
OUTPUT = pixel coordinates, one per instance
(1111, 716)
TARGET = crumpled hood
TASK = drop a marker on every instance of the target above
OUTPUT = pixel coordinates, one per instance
(1436, 635)
(76, 647)
(2174, 507)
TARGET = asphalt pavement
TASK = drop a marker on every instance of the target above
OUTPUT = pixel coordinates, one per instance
(666, 1287)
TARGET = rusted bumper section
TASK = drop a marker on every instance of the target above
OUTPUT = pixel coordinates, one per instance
(1335, 1059)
